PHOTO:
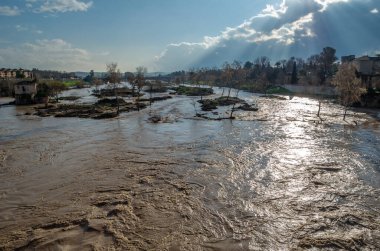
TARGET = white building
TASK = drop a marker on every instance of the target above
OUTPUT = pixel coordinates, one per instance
(15, 73)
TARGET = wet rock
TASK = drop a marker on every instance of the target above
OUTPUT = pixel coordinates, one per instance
(114, 212)
(155, 119)
(208, 104)
(111, 102)
(9, 103)
(42, 114)
(106, 115)
(204, 116)
(141, 105)
(154, 99)
(247, 107)
(69, 98)
(46, 106)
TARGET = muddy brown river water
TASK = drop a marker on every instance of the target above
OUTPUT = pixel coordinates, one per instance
(276, 179)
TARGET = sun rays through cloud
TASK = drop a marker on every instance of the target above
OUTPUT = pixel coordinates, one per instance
(288, 28)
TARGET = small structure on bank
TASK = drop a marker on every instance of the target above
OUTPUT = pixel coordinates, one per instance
(25, 92)
(367, 68)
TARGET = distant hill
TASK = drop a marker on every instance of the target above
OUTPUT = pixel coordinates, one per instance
(156, 74)
(82, 74)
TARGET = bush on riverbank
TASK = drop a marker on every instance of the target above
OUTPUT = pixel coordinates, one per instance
(73, 83)
(193, 91)
(122, 92)
(369, 100)
(278, 90)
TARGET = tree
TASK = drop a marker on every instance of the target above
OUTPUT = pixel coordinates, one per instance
(227, 77)
(248, 65)
(89, 78)
(263, 62)
(322, 64)
(240, 76)
(55, 88)
(114, 78)
(209, 77)
(96, 81)
(327, 58)
(140, 81)
(263, 83)
(348, 86)
(132, 81)
(177, 81)
(294, 79)
(20, 74)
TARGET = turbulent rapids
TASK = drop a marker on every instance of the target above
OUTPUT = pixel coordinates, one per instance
(274, 179)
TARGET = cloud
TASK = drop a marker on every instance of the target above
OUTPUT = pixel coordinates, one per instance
(288, 33)
(326, 3)
(28, 28)
(20, 28)
(272, 11)
(3, 41)
(290, 28)
(9, 11)
(54, 54)
(374, 11)
(54, 6)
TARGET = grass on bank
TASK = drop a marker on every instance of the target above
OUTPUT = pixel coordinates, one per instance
(278, 90)
(72, 83)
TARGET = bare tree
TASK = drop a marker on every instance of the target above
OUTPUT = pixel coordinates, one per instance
(177, 81)
(200, 78)
(262, 83)
(132, 80)
(96, 81)
(327, 58)
(210, 77)
(348, 85)
(114, 78)
(240, 76)
(55, 88)
(227, 77)
(140, 81)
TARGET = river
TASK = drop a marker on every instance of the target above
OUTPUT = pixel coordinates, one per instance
(275, 179)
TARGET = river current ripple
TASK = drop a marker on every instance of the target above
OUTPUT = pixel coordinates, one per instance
(276, 179)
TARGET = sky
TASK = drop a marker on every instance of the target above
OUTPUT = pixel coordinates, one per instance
(170, 35)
